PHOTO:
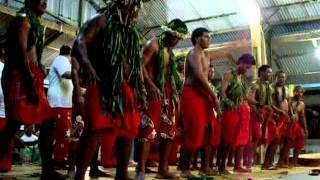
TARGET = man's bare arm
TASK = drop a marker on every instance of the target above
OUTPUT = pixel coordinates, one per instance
(148, 55)
(88, 33)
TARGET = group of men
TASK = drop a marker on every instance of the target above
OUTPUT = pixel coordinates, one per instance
(133, 95)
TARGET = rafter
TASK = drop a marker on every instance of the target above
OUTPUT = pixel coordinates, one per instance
(70, 30)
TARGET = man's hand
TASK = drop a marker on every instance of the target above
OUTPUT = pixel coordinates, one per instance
(155, 92)
(90, 72)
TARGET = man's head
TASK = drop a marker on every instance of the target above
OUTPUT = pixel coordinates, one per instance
(65, 50)
(37, 6)
(265, 72)
(245, 63)
(298, 92)
(281, 78)
(29, 130)
(201, 37)
(174, 31)
(211, 72)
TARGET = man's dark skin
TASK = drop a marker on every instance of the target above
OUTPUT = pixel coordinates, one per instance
(150, 57)
(299, 116)
(241, 69)
(87, 49)
(19, 51)
(282, 109)
(196, 74)
(265, 77)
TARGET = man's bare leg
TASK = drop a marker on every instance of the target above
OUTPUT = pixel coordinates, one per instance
(284, 154)
(143, 149)
(46, 149)
(195, 161)
(185, 164)
(87, 149)
(296, 154)
(205, 161)
(230, 158)
(165, 149)
(123, 151)
(238, 158)
(271, 150)
(213, 154)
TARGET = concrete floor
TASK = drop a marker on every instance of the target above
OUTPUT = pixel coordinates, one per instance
(32, 172)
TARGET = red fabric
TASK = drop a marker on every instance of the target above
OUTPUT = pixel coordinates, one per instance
(195, 111)
(244, 130)
(6, 157)
(108, 154)
(262, 134)
(216, 131)
(157, 125)
(230, 122)
(284, 126)
(2, 123)
(17, 105)
(62, 131)
(297, 136)
(127, 127)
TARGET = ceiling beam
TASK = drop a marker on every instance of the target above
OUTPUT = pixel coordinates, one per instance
(67, 29)
(57, 17)
(291, 4)
(198, 19)
(303, 36)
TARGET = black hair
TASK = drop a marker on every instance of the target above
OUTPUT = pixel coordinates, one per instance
(280, 72)
(65, 50)
(263, 68)
(198, 33)
(246, 59)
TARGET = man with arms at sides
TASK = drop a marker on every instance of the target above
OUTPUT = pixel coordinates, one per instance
(281, 108)
(108, 52)
(236, 113)
(197, 90)
(22, 82)
(299, 129)
(262, 117)
(163, 82)
(215, 128)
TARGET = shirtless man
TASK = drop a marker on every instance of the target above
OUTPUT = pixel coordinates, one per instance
(281, 108)
(112, 71)
(163, 81)
(22, 83)
(299, 127)
(236, 113)
(263, 116)
(197, 90)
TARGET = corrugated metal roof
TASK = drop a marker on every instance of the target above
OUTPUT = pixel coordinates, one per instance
(296, 28)
(284, 10)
